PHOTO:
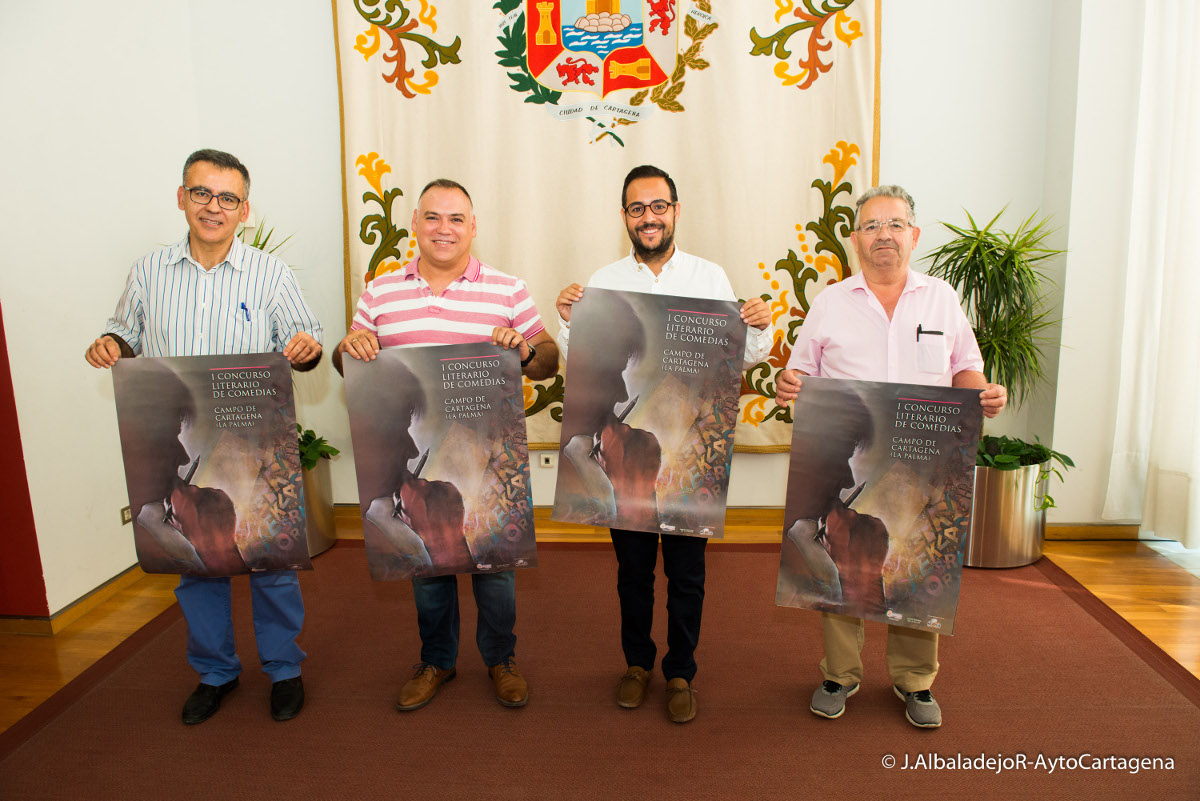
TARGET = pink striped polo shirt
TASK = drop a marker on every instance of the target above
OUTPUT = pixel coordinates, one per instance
(400, 309)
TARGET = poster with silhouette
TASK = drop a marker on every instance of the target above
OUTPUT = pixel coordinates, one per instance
(649, 412)
(879, 496)
(212, 463)
(442, 460)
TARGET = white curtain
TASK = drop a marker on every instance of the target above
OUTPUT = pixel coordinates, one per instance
(1155, 469)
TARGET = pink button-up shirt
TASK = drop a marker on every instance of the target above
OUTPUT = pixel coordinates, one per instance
(847, 334)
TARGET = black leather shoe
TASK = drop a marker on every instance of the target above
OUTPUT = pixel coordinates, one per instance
(204, 702)
(287, 698)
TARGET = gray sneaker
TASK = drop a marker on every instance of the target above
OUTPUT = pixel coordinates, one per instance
(920, 708)
(829, 700)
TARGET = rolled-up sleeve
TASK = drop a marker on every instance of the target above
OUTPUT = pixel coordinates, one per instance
(129, 320)
(290, 313)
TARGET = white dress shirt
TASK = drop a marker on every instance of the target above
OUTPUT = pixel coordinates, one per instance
(683, 275)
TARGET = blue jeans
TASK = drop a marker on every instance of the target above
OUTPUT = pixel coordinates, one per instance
(438, 619)
(207, 605)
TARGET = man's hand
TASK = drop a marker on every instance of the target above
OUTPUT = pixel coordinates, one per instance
(756, 313)
(993, 398)
(104, 352)
(302, 349)
(787, 386)
(566, 299)
(359, 344)
(509, 338)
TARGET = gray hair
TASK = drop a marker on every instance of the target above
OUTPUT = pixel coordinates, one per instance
(888, 190)
(218, 158)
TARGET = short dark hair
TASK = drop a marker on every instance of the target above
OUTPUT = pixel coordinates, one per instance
(445, 183)
(219, 158)
(648, 171)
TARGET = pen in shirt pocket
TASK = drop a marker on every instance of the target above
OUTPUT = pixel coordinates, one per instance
(246, 311)
(927, 332)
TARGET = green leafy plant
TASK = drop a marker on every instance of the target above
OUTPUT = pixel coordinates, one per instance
(1004, 453)
(999, 276)
(313, 447)
(260, 237)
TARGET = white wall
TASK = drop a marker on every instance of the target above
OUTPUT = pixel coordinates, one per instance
(99, 115)
(1109, 71)
(978, 111)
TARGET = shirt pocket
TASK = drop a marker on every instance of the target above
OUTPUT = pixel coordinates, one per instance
(247, 331)
(932, 356)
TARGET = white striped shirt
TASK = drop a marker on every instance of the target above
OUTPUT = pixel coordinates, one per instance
(172, 306)
(401, 309)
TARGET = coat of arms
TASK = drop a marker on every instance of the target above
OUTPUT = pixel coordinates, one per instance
(601, 46)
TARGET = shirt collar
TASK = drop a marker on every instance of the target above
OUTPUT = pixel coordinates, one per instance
(637, 265)
(912, 282)
(473, 272)
(182, 250)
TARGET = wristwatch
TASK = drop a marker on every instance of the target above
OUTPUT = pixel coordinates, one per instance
(532, 352)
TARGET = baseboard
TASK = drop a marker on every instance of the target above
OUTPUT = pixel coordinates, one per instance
(60, 620)
(1093, 531)
(743, 524)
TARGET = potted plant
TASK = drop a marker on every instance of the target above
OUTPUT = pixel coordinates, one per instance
(318, 490)
(999, 276)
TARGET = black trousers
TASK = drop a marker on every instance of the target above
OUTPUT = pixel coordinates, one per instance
(683, 564)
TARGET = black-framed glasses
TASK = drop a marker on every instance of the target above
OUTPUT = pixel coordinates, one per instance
(873, 227)
(656, 206)
(201, 197)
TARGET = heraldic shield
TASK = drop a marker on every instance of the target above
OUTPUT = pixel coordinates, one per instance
(601, 46)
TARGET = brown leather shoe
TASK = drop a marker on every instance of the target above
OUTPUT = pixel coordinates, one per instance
(632, 689)
(511, 687)
(420, 689)
(681, 701)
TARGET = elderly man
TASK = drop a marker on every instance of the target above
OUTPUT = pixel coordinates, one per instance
(209, 294)
(649, 209)
(887, 323)
(447, 296)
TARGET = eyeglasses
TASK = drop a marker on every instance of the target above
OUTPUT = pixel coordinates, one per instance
(201, 197)
(656, 206)
(873, 227)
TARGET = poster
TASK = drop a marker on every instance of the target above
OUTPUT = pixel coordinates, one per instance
(651, 403)
(879, 501)
(212, 463)
(442, 461)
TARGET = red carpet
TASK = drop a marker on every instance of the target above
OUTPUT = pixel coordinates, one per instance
(1039, 667)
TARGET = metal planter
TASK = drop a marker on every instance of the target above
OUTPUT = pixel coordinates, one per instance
(318, 508)
(1007, 529)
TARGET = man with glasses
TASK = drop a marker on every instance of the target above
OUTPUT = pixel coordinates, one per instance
(886, 323)
(650, 208)
(209, 294)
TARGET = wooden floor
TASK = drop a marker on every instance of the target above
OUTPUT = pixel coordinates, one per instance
(1159, 598)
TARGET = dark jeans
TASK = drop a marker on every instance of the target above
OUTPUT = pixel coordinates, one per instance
(437, 617)
(683, 564)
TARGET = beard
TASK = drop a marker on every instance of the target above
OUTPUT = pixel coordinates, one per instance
(645, 254)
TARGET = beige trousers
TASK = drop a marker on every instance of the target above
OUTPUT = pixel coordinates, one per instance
(911, 653)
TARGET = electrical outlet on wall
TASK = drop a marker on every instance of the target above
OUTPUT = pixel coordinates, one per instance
(547, 459)
(126, 515)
